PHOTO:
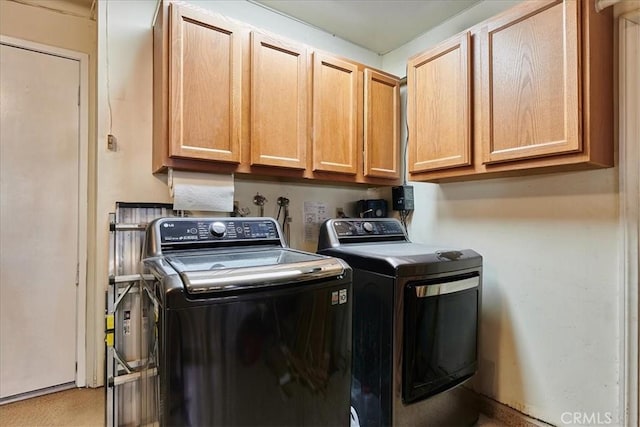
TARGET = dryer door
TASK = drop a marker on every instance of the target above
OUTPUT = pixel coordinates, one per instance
(440, 334)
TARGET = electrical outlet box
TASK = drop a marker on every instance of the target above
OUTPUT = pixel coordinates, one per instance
(112, 143)
(402, 198)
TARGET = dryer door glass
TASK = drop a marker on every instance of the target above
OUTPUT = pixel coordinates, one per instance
(440, 335)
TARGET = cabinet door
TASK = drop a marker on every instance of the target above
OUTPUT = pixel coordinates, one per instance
(279, 102)
(439, 106)
(205, 87)
(530, 82)
(381, 125)
(335, 115)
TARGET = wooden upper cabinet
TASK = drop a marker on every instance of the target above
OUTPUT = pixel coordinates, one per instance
(531, 82)
(205, 86)
(335, 115)
(279, 102)
(439, 106)
(381, 125)
(542, 96)
(231, 98)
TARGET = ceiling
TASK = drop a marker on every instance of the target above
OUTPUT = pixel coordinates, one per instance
(378, 25)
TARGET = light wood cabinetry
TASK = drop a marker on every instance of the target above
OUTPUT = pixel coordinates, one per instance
(439, 106)
(356, 122)
(279, 102)
(230, 98)
(197, 89)
(530, 82)
(335, 115)
(541, 96)
(205, 87)
(381, 125)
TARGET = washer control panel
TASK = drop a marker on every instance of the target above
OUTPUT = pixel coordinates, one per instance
(185, 230)
(353, 228)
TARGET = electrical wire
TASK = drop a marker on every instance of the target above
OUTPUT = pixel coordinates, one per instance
(404, 215)
(283, 204)
(283, 207)
(406, 125)
(106, 24)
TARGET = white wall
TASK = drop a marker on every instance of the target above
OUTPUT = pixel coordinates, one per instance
(550, 316)
(550, 333)
(125, 82)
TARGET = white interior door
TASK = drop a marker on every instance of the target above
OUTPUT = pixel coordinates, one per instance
(39, 214)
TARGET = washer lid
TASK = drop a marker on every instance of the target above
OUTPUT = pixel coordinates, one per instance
(405, 258)
(233, 270)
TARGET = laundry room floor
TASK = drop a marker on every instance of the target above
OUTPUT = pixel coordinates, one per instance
(485, 421)
(75, 407)
(84, 407)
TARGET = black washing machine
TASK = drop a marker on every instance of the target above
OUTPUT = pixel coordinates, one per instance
(239, 330)
(415, 324)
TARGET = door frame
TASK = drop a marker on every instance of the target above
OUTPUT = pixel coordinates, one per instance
(629, 175)
(83, 177)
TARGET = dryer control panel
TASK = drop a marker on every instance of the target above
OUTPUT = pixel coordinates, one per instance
(345, 228)
(336, 232)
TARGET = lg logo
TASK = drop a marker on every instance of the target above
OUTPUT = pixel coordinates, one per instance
(587, 418)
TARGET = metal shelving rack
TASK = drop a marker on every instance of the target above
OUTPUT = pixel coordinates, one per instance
(124, 315)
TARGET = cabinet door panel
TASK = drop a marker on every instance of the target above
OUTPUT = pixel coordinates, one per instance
(205, 94)
(279, 102)
(381, 125)
(439, 107)
(530, 83)
(335, 110)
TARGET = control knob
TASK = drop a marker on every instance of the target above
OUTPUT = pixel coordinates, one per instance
(218, 229)
(368, 227)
